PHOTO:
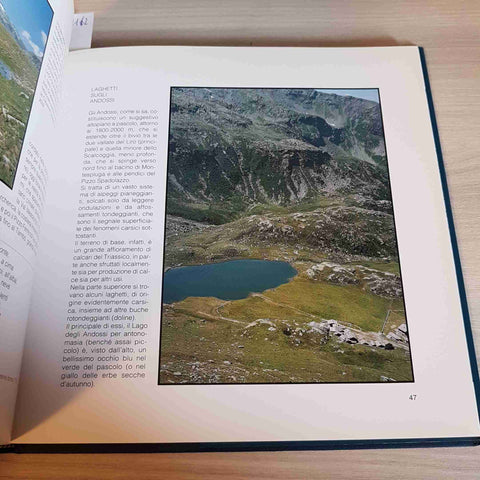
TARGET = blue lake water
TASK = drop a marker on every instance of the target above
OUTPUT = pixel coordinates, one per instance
(230, 280)
(5, 71)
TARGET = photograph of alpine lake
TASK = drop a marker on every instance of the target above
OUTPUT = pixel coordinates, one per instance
(281, 262)
(24, 27)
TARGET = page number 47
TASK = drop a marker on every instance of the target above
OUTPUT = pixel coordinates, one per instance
(413, 396)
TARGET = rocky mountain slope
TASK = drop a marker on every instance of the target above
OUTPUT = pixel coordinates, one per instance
(234, 148)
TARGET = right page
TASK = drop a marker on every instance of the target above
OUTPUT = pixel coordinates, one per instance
(246, 245)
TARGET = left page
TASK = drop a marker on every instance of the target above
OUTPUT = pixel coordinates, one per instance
(34, 38)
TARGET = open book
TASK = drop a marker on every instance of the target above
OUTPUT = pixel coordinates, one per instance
(224, 247)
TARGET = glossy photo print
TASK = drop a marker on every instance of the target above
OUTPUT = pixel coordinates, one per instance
(281, 262)
(24, 29)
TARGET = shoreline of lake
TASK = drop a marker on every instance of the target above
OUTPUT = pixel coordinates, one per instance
(226, 280)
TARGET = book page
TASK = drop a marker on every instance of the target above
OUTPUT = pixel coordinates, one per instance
(245, 245)
(34, 38)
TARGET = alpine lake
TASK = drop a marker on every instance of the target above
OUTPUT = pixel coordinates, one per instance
(230, 280)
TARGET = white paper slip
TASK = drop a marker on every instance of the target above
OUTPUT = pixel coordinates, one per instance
(82, 31)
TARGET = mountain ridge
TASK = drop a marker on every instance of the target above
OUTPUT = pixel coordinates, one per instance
(235, 147)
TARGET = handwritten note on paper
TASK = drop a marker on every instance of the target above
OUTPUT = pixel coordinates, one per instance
(82, 31)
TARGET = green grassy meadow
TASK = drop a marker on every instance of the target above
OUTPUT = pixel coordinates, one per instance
(199, 337)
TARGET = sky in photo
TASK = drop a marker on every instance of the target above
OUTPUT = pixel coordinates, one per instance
(365, 93)
(32, 19)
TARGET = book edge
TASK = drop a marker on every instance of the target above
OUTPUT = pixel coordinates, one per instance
(453, 237)
(247, 446)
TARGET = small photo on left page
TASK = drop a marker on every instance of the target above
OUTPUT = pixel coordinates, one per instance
(24, 29)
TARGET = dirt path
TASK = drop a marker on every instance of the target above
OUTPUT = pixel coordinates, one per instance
(215, 317)
(268, 300)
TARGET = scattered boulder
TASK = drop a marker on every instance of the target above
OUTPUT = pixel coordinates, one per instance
(380, 283)
(393, 336)
(385, 285)
(260, 321)
(403, 328)
(323, 327)
(353, 336)
(399, 335)
(343, 278)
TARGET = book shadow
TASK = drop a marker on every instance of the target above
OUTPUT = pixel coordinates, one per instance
(151, 37)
